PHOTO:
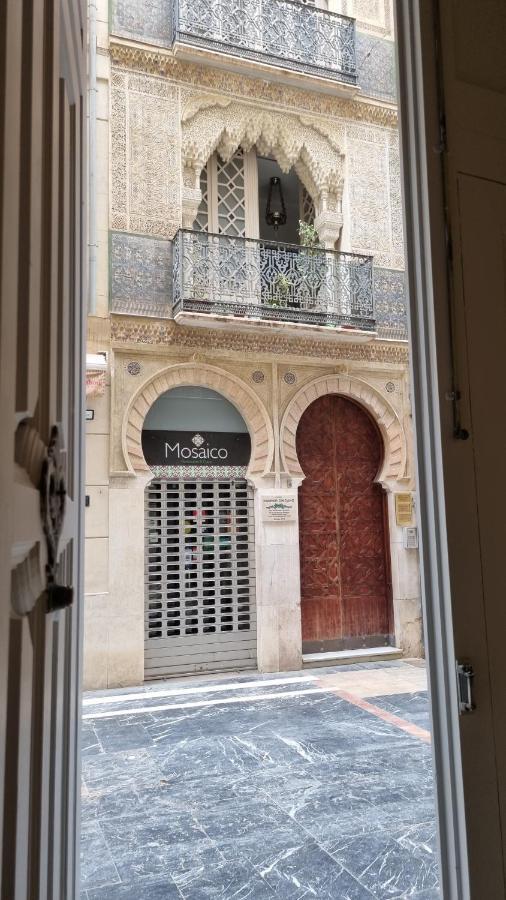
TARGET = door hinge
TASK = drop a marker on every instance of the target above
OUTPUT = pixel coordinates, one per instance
(465, 679)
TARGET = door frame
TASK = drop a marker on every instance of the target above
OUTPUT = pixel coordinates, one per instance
(428, 285)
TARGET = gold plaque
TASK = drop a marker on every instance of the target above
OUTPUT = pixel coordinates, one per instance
(404, 509)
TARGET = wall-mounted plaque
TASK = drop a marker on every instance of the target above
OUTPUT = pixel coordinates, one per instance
(404, 509)
(279, 508)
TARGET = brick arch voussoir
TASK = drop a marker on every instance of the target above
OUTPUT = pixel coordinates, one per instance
(230, 386)
(387, 420)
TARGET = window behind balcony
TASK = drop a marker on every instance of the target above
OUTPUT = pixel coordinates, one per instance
(234, 197)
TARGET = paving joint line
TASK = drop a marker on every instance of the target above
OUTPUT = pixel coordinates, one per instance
(409, 727)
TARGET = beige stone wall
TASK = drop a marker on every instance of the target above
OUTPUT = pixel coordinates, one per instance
(96, 545)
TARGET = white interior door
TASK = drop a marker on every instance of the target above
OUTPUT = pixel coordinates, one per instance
(453, 105)
(42, 122)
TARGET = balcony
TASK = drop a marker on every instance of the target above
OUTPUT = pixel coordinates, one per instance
(239, 278)
(285, 33)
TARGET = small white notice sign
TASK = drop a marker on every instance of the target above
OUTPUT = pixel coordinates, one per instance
(279, 508)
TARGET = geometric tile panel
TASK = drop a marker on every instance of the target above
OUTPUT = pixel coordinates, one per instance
(140, 275)
(376, 67)
(143, 20)
(390, 303)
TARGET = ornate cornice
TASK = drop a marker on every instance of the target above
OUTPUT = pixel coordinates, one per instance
(128, 330)
(158, 62)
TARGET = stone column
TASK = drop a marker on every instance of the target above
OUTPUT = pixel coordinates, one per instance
(125, 605)
(279, 643)
(406, 589)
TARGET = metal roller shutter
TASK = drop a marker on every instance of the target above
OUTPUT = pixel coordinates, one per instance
(199, 577)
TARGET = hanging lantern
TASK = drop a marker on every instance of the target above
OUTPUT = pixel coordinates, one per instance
(275, 211)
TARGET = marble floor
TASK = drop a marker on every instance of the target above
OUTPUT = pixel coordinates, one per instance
(313, 784)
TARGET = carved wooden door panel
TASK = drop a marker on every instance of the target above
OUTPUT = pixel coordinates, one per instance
(345, 582)
(42, 122)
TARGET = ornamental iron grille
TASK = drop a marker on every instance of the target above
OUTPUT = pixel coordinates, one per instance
(286, 33)
(199, 575)
(224, 275)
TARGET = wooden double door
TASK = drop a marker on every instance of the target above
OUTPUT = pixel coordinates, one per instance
(344, 552)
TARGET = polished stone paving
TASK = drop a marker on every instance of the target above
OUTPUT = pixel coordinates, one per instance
(316, 784)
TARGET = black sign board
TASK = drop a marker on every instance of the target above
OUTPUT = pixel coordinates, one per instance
(192, 448)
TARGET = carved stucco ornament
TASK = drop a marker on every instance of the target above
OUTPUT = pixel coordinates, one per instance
(212, 123)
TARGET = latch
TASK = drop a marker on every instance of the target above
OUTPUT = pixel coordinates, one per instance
(465, 678)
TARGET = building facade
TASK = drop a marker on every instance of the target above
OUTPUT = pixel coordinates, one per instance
(250, 485)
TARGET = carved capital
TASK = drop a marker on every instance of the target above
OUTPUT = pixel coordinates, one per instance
(328, 224)
(190, 202)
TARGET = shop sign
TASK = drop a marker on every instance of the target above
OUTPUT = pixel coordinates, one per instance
(190, 448)
(279, 508)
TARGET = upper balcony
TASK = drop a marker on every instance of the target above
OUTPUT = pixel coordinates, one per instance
(287, 34)
(240, 279)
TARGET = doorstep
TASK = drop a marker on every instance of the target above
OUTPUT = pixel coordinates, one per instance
(345, 657)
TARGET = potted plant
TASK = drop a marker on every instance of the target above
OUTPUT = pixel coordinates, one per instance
(276, 292)
(311, 261)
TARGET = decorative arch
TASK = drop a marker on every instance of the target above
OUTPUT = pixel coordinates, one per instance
(211, 123)
(199, 375)
(387, 420)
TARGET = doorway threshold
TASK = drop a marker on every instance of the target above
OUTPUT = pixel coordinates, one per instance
(345, 657)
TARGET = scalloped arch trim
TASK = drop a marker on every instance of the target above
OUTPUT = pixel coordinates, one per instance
(394, 438)
(198, 375)
(214, 123)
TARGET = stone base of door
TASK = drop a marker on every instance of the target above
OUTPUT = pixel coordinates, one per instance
(348, 657)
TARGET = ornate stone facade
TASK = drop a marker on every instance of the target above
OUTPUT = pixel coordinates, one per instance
(145, 154)
(172, 131)
(394, 437)
(233, 388)
(156, 62)
(132, 330)
(167, 117)
(214, 123)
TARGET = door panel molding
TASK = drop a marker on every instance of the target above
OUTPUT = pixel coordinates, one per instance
(42, 87)
(453, 121)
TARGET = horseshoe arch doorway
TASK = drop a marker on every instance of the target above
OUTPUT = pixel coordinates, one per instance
(344, 542)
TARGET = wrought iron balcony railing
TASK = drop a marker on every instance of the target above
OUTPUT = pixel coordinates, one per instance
(285, 33)
(230, 276)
